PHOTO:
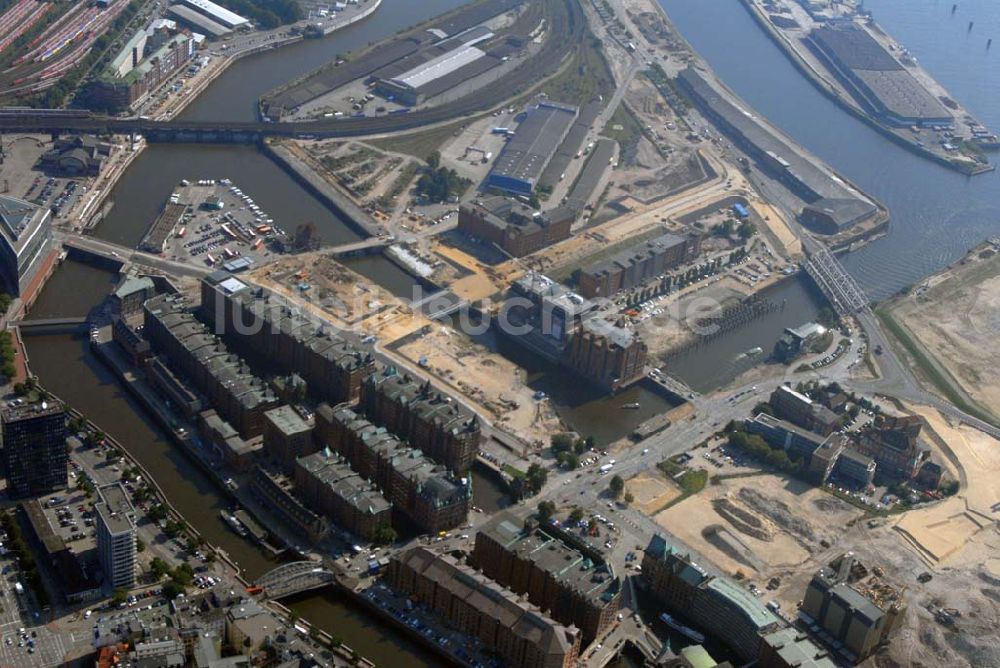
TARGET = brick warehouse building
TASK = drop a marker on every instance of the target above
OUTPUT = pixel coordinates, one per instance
(517, 229)
(607, 354)
(262, 322)
(570, 580)
(426, 418)
(637, 264)
(430, 495)
(519, 633)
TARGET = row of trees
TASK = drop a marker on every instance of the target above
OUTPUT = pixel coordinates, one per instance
(682, 279)
(757, 447)
(7, 352)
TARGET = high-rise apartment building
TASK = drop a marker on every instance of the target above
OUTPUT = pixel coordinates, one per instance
(34, 448)
(116, 536)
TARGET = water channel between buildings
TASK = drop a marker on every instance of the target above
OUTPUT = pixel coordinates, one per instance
(937, 215)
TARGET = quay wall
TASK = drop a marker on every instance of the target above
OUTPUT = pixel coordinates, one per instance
(326, 193)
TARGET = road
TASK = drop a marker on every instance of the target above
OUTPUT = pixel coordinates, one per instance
(114, 251)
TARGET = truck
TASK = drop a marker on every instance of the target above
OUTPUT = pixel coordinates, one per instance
(19, 588)
(605, 468)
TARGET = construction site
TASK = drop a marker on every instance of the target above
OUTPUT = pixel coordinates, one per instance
(773, 532)
(486, 380)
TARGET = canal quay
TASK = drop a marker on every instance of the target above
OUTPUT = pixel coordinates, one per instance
(936, 216)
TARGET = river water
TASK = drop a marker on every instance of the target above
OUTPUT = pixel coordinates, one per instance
(937, 215)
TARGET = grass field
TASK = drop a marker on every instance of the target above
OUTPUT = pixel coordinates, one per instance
(623, 127)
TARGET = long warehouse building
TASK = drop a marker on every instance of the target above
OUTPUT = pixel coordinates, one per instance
(832, 205)
(198, 22)
(875, 78)
(524, 158)
(217, 13)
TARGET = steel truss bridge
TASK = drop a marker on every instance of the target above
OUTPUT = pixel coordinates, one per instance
(294, 578)
(844, 293)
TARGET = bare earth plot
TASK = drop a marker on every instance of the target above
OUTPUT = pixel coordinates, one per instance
(948, 533)
(651, 491)
(955, 317)
(761, 526)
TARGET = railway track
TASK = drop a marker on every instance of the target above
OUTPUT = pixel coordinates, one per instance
(568, 27)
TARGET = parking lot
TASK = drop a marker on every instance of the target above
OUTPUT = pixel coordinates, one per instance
(57, 193)
(219, 223)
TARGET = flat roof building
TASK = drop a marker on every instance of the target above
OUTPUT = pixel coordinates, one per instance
(522, 161)
(791, 648)
(25, 241)
(853, 621)
(197, 21)
(287, 436)
(411, 86)
(797, 171)
(874, 77)
(33, 440)
(116, 536)
(217, 13)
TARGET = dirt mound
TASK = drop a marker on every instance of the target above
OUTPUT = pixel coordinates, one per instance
(778, 512)
(831, 504)
(743, 520)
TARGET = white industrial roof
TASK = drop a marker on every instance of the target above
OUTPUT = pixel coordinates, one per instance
(220, 14)
(232, 285)
(441, 66)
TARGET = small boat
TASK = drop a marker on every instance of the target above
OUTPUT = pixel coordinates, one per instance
(234, 523)
(753, 352)
(630, 407)
(686, 631)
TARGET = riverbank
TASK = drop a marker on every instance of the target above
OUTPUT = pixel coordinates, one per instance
(833, 92)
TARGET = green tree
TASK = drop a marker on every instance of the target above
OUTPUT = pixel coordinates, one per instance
(562, 442)
(617, 485)
(158, 567)
(172, 590)
(384, 535)
(119, 596)
(183, 575)
(140, 546)
(545, 511)
(536, 477)
(576, 515)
